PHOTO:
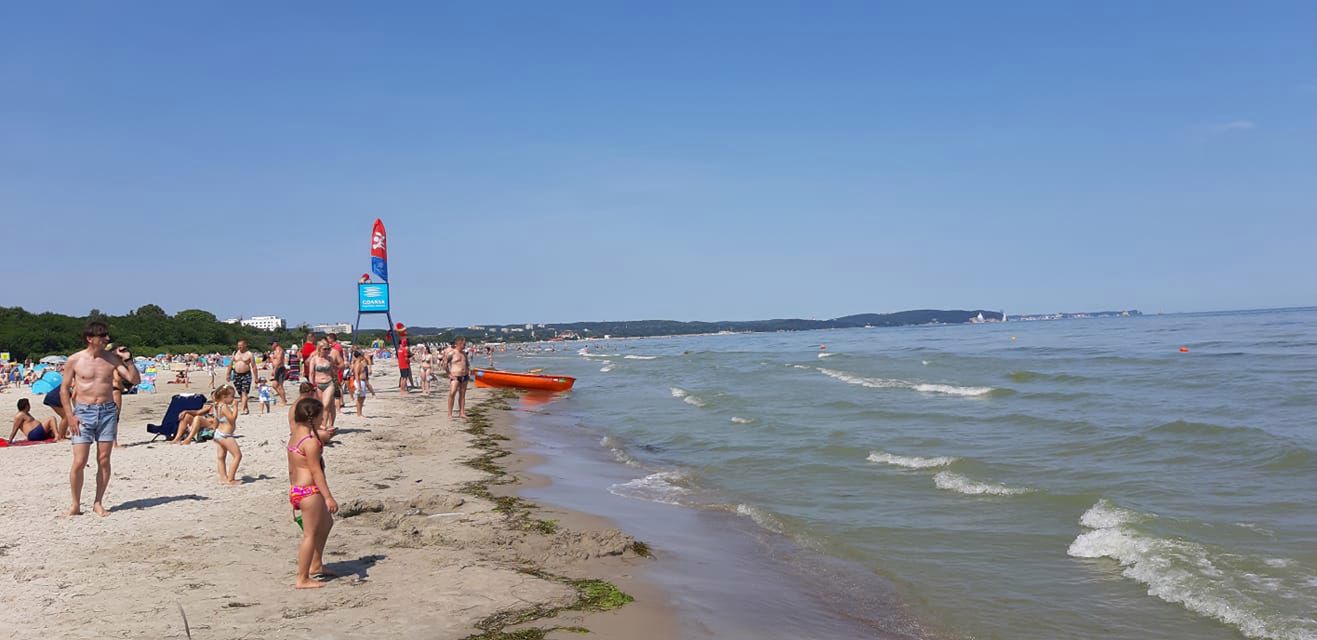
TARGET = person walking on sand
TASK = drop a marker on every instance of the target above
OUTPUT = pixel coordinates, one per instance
(94, 418)
(243, 366)
(427, 364)
(279, 364)
(458, 365)
(308, 492)
(404, 361)
(360, 380)
(324, 366)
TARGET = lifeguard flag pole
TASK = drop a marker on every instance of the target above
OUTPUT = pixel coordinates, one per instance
(379, 265)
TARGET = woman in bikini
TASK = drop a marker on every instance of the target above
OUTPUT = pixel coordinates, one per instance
(226, 411)
(324, 367)
(308, 491)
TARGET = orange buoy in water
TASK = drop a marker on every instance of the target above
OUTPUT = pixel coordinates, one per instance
(1184, 349)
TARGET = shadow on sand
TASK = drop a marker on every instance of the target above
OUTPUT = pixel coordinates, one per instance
(147, 503)
(359, 567)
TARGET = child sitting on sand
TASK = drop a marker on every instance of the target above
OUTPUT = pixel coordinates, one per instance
(308, 491)
(265, 394)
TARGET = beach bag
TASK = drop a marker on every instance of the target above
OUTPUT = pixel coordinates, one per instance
(204, 435)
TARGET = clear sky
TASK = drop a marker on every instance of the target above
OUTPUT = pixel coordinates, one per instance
(546, 161)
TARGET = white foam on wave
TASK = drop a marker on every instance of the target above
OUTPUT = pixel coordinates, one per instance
(760, 517)
(608, 366)
(910, 462)
(740, 420)
(952, 390)
(1105, 515)
(1194, 576)
(798, 366)
(615, 447)
(825, 355)
(586, 354)
(949, 481)
(888, 383)
(696, 401)
(872, 383)
(664, 486)
(630, 357)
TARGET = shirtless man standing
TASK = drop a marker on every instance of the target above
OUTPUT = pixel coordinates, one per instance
(94, 418)
(458, 365)
(280, 367)
(243, 365)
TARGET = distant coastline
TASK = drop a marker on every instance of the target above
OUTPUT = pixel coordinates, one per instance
(655, 328)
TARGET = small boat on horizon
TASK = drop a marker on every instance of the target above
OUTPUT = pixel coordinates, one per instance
(518, 380)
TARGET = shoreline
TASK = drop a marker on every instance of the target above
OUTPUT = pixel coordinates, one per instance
(418, 554)
(723, 573)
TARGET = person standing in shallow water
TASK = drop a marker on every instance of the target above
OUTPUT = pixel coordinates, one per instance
(94, 418)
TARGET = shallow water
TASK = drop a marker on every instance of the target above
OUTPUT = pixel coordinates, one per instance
(1079, 479)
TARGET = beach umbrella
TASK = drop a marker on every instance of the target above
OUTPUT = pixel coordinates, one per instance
(51, 380)
(54, 360)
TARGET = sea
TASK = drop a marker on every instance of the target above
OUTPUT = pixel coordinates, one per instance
(1132, 478)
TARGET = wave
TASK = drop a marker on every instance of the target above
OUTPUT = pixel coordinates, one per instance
(888, 383)
(761, 518)
(608, 366)
(586, 354)
(949, 481)
(664, 486)
(615, 447)
(910, 462)
(740, 420)
(1206, 429)
(826, 355)
(1034, 376)
(693, 400)
(1228, 587)
(953, 390)
(630, 357)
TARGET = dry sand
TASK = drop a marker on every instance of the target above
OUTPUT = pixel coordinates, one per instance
(418, 557)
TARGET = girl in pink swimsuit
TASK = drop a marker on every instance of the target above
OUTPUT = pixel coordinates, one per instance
(308, 491)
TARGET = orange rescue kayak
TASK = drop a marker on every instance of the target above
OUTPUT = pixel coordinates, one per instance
(494, 378)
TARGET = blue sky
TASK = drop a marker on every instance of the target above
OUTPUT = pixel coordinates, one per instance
(691, 160)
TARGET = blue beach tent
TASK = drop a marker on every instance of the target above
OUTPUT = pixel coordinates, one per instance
(51, 380)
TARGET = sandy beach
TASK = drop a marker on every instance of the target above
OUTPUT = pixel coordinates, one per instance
(422, 550)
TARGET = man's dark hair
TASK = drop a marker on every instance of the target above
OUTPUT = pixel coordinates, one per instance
(95, 328)
(332, 336)
(23, 404)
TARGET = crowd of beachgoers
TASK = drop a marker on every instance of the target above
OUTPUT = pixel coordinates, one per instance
(85, 392)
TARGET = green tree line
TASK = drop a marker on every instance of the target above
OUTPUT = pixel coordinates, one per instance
(147, 330)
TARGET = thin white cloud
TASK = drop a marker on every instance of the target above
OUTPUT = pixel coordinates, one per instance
(1234, 125)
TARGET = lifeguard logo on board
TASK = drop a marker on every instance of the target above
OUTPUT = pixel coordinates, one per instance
(377, 241)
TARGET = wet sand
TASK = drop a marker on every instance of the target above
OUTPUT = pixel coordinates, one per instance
(418, 555)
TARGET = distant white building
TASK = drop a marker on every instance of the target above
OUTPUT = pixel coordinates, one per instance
(339, 327)
(231, 320)
(268, 323)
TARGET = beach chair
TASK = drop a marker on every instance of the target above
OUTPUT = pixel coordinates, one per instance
(181, 402)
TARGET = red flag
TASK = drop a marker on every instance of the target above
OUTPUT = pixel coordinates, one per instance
(379, 251)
